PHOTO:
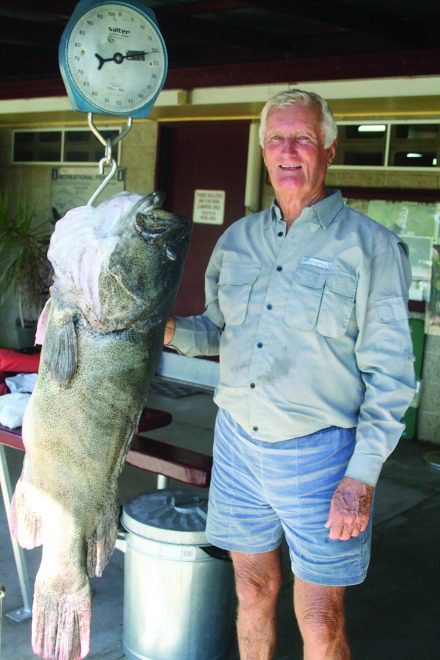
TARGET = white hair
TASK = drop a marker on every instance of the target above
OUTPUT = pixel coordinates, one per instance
(293, 96)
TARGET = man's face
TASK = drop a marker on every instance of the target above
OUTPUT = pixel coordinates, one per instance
(294, 152)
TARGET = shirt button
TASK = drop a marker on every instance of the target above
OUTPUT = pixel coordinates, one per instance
(269, 306)
(255, 428)
(252, 385)
(279, 268)
(280, 234)
(260, 344)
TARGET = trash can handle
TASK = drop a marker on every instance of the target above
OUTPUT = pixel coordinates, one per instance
(188, 504)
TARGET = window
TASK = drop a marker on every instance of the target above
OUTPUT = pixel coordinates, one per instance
(32, 146)
(418, 224)
(64, 146)
(409, 145)
(415, 145)
(84, 147)
(361, 144)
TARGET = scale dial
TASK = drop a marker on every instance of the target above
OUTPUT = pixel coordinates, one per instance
(113, 58)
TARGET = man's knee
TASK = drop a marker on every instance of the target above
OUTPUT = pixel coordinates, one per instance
(320, 611)
(258, 578)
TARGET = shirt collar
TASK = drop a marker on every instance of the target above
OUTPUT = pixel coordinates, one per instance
(325, 210)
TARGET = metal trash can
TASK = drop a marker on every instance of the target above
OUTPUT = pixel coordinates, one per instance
(178, 589)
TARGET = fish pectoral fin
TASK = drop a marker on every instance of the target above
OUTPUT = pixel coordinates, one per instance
(60, 356)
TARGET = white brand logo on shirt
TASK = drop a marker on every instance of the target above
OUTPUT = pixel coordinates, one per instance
(317, 263)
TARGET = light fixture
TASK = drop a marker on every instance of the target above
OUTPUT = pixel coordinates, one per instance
(413, 155)
(434, 161)
(372, 128)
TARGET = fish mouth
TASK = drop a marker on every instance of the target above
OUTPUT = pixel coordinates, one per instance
(163, 228)
(151, 226)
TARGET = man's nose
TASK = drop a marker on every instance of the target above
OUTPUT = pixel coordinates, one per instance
(290, 145)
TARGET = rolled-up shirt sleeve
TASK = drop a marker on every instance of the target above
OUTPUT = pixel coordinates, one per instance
(385, 359)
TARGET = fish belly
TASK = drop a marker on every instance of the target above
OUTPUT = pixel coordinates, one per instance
(76, 439)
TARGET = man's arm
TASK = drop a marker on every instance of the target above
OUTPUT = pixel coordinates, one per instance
(384, 355)
(385, 360)
(200, 334)
(170, 329)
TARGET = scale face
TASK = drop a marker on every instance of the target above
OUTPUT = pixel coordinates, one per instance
(113, 58)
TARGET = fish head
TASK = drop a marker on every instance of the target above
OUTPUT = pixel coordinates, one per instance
(145, 268)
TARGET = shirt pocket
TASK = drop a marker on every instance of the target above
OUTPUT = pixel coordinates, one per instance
(392, 310)
(337, 304)
(235, 285)
(305, 297)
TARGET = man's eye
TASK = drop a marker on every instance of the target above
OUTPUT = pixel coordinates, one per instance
(304, 138)
(275, 138)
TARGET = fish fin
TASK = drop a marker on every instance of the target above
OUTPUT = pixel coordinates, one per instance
(61, 624)
(100, 546)
(26, 524)
(42, 324)
(60, 355)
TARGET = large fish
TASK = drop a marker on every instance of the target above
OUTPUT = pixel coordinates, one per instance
(117, 268)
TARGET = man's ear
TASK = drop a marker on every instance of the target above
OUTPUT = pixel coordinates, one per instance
(331, 152)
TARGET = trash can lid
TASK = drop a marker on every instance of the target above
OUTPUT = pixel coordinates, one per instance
(172, 516)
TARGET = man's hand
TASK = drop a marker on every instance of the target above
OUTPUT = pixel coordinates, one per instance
(170, 328)
(350, 509)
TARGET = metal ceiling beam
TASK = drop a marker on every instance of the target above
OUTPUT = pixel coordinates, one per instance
(48, 8)
(342, 15)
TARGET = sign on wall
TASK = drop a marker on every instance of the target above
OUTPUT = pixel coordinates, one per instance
(74, 186)
(209, 207)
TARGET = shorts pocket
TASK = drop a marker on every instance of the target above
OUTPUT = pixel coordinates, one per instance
(305, 298)
(337, 304)
(235, 285)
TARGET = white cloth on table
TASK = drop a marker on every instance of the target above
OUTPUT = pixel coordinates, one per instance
(21, 382)
(12, 407)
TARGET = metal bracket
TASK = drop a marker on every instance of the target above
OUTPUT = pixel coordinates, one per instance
(108, 160)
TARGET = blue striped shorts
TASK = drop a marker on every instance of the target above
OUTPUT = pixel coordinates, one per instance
(261, 491)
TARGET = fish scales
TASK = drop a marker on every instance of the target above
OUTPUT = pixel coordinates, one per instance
(117, 269)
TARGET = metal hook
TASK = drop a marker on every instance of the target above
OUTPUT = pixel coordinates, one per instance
(103, 183)
(98, 135)
(107, 160)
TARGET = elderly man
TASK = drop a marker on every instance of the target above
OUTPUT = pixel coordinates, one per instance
(306, 305)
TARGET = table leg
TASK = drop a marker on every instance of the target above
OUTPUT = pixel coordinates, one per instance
(25, 612)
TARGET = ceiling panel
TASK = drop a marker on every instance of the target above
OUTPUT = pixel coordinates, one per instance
(239, 42)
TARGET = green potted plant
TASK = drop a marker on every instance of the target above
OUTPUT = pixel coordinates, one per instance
(25, 270)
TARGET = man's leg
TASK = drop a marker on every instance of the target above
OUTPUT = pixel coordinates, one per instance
(258, 580)
(320, 614)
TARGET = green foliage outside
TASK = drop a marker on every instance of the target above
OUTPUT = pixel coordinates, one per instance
(25, 270)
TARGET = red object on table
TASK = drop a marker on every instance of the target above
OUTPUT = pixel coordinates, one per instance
(17, 362)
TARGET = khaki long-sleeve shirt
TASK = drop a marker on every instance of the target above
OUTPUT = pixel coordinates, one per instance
(311, 326)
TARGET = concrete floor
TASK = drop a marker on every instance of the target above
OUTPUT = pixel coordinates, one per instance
(392, 616)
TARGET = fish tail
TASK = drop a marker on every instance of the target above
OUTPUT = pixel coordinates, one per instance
(60, 354)
(25, 522)
(100, 546)
(61, 625)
